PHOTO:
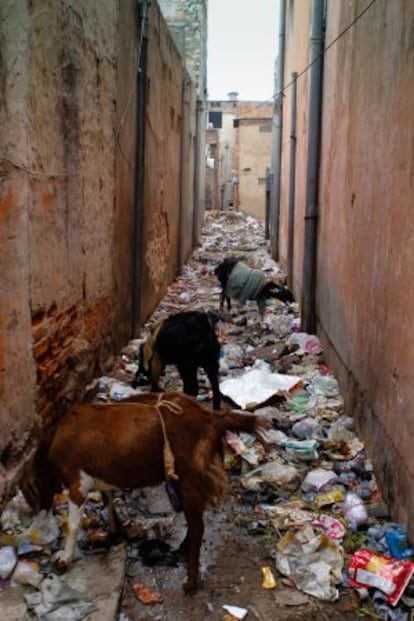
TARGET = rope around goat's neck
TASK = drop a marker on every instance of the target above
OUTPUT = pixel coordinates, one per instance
(169, 461)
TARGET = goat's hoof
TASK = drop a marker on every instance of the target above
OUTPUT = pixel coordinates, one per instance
(189, 586)
(60, 562)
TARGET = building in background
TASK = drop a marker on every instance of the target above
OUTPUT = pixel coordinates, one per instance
(239, 140)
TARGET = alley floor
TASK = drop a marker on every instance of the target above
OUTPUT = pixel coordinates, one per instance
(294, 515)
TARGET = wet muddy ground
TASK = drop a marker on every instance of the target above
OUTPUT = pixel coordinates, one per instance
(232, 558)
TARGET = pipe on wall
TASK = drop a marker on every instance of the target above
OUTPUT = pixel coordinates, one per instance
(196, 186)
(143, 7)
(292, 180)
(312, 173)
(274, 215)
(183, 171)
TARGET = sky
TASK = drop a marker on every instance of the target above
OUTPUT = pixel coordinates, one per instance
(241, 48)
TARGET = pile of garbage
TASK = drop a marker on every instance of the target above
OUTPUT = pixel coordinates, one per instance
(313, 488)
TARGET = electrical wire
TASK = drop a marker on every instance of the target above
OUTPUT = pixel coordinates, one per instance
(340, 35)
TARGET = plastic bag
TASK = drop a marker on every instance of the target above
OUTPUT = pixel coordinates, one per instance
(307, 428)
(8, 560)
(275, 473)
(354, 511)
(317, 479)
(27, 573)
(44, 529)
(304, 450)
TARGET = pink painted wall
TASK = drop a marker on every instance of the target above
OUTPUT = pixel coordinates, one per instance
(365, 267)
(366, 243)
(297, 28)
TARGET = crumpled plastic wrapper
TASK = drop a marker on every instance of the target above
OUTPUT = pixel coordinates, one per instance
(312, 561)
(57, 601)
(275, 473)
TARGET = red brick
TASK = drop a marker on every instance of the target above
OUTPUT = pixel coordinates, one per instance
(41, 347)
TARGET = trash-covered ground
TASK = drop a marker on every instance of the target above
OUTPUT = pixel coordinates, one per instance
(302, 533)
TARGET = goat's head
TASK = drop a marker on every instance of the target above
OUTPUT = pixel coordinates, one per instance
(38, 485)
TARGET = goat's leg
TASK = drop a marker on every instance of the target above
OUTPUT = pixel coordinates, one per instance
(189, 377)
(212, 371)
(221, 300)
(192, 542)
(108, 500)
(65, 556)
(261, 303)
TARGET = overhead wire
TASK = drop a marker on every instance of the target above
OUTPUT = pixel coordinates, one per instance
(142, 32)
(325, 49)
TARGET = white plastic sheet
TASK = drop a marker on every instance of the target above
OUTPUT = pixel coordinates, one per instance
(256, 386)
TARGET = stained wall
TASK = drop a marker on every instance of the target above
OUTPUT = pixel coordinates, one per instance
(365, 233)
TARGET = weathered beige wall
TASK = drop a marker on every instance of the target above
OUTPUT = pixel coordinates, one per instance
(17, 369)
(366, 256)
(163, 183)
(188, 124)
(187, 22)
(67, 200)
(255, 140)
(59, 208)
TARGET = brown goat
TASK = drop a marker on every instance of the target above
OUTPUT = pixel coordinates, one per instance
(141, 442)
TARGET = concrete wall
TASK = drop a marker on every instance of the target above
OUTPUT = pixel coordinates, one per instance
(297, 29)
(254, 152)
(366, 257)
(365, 265)
(68, 113)
(63, 300)
(187, 22)
(162, 185)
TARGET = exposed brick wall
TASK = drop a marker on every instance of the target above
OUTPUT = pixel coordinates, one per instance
(69, 349)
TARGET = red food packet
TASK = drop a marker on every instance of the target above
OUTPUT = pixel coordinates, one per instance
(146, 595)
(389, 575)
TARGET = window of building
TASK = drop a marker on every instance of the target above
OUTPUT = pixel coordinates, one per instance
(216, 119)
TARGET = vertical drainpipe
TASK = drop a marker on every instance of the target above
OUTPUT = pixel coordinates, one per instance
(183, 170)
(277, 136)
(143, 7)
(267, 202)
(312, 173)
(196, 185)
(292, 180)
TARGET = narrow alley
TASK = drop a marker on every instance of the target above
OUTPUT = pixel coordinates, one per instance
(303, 507)
(142, 185)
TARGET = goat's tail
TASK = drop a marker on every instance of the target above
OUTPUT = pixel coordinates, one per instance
(239, 421)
